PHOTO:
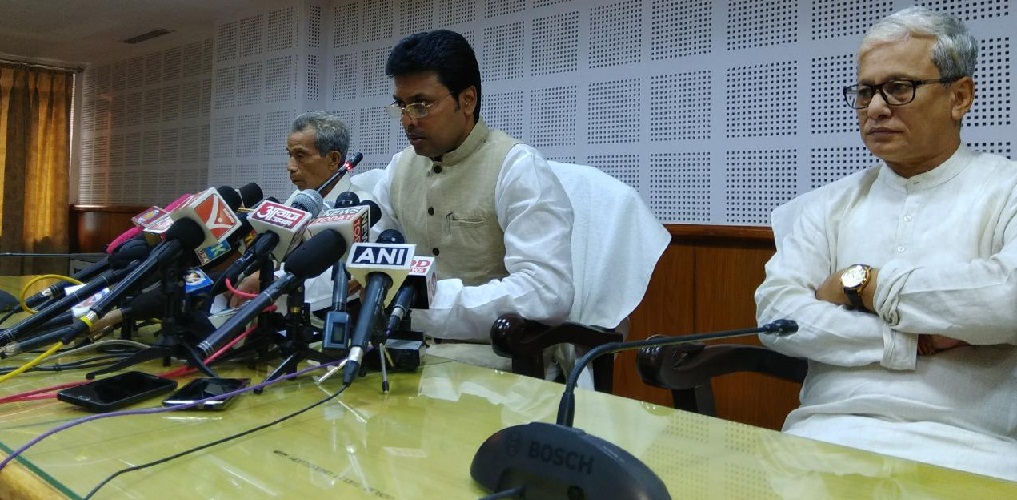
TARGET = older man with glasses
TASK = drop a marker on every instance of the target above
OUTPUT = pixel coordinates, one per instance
(903, 277)
(487, 207)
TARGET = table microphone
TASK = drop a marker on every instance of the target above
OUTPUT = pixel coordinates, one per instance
(558, 461)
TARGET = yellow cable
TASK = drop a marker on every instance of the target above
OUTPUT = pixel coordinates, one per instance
(31, 364)
(24, 289)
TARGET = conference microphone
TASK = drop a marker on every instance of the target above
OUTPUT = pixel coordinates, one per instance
(278, 226)
(344, 169)
(416, 293)
(380, 266)
(559, 461)
(309, 259)
(184, 235)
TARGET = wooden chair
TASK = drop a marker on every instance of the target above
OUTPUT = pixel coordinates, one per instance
(687, 370)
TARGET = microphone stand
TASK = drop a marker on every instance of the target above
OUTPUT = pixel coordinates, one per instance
(299, 334)
(177, 324)
(567, 406)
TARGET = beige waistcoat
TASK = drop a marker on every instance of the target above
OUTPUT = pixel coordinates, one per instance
(447, 207)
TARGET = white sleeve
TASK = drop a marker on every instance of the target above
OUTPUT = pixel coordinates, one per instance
(827, 333)
(536, 216)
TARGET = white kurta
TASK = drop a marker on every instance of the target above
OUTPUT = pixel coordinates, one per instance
(945, 244)
(532, 209)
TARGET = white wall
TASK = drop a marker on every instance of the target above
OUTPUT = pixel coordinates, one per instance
(716, 111)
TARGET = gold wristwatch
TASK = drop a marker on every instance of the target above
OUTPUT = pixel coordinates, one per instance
(854, 279)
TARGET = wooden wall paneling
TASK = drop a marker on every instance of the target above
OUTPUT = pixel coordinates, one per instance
(727, 274)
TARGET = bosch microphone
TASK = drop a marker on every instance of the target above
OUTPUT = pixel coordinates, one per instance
(380, 266)
(590, 467)
(309, 259)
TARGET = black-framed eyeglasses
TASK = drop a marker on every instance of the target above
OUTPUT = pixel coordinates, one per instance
(894, 92)
(413, 110)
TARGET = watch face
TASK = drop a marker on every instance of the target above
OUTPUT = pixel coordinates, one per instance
(853, 276)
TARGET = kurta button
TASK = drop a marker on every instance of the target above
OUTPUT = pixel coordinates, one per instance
(434, 251)
(430, 210)
(437, 169)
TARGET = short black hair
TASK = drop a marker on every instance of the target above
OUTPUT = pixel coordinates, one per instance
(444, 52)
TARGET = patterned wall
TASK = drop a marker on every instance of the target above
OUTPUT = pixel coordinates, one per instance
(715, 111)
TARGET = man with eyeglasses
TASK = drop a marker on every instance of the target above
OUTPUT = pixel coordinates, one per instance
(487, 207)
(903, 277)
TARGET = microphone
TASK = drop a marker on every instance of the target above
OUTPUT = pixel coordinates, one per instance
(310, 259)
(380, 266)
(417, 292)
(344, 169)
(214, 210)
(132, 249)
(352, 222)
(121, 266)
(557, 460)
(184, 235)
(277, 226)
(250, 194)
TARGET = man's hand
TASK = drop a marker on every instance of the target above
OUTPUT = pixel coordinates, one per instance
(930, 344)
(250, 284)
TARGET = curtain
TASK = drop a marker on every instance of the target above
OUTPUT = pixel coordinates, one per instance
(35, 117)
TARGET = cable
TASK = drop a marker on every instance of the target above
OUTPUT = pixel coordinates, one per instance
(24, 289)
(518, 491)
(239, 293)
(27, 366)
(241, 434)
(147, 411)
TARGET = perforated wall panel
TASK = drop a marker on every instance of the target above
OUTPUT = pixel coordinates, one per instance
(716, 112)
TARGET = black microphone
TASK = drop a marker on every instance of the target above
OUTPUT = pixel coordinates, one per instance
(135, 248)
(557, 460)
(344, 169)
(309, 259)
(121, 265)
(380, 266)
(184, 235)
(251, 194)
(417, 292)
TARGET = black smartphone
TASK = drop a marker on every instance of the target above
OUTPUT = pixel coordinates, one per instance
(118, 391)
(203, 388)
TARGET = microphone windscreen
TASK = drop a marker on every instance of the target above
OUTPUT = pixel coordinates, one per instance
(391, 236)
(251, 194)
(346, 199)
(120, 240)
(133, 249)
(375, 210)
(309, 201)
(187, 232)
(231, 197)
(316, 254)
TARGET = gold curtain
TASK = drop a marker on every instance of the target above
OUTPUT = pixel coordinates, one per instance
(35, 117)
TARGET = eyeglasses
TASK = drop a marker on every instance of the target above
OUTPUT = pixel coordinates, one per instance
(414, 110)
(894, 92)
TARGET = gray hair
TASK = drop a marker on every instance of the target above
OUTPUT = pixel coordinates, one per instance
(955, 51)
(330, 133)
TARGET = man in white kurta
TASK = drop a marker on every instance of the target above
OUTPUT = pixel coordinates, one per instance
(922, 364)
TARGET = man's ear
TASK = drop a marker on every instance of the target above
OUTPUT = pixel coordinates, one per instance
(962, 94)
(468, 100)
(334, 160)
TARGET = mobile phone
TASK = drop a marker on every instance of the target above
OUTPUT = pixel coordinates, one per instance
(118, 391)
(203, 388)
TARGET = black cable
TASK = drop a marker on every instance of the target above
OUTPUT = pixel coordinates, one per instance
(103, 360)
(9, 314)
(174, 456)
